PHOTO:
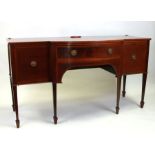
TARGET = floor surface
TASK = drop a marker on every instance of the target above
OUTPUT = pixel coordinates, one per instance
(87, 121)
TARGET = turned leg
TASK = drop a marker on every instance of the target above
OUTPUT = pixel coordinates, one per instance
(124, 84)
(55, 118)
(143, 89)
(13, 99)
(118, 93)
(16, 105)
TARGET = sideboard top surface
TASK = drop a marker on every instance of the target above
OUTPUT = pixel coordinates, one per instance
(76, 39)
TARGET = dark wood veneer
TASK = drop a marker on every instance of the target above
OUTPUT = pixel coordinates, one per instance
(36, 60)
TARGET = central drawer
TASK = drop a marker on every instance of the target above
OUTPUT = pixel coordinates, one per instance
(106, 51)
(74, 52)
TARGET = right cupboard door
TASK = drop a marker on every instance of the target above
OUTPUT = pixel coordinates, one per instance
(135, 57)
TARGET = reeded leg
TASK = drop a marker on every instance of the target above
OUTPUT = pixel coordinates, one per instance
(143, 89)
(16, 106)
(55, 118)
(13, 100)
(124, 84)
(118, 93)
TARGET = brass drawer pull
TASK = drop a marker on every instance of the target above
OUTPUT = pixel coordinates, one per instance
(110, 51)
(73, 52)
(133, 57)
(33, 63)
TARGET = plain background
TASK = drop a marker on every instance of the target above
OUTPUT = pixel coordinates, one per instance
(86, 100)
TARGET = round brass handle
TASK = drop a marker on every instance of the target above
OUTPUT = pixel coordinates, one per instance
(110, 51)
(73, 52)
(33, 63)
(133, 57)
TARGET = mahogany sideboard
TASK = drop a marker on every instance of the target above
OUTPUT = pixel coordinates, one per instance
(36, 60)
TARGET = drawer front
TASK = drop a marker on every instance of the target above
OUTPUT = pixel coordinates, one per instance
(74, 52)
(135, 57)
(105, 51)
(31, 63)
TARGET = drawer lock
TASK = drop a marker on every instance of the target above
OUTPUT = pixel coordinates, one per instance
(33, 63)
(110, 51)
(133, 57)
(73, 52)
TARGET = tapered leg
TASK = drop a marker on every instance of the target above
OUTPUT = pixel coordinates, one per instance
(13, 99)
(55, 118)
(124, 84)
(16, 106)
(143, 89)
(118, 93)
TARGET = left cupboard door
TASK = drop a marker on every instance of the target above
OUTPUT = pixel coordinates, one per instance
(29, 62)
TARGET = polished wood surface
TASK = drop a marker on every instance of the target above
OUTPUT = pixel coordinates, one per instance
(36, 60)
(124, 85)
(75, 39)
